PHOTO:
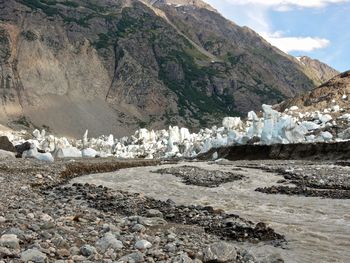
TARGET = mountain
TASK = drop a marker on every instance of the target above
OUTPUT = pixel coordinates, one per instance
(333, 92)
(115, 65)
(178, 3)
(316, 70)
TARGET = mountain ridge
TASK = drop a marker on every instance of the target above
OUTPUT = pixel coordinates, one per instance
(113, 66)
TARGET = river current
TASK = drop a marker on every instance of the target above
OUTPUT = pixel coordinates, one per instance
(317, 230)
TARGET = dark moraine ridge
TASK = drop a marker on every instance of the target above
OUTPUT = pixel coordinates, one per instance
(311, 151)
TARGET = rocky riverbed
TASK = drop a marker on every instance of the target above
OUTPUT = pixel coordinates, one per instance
(42, 219)
(169, 212)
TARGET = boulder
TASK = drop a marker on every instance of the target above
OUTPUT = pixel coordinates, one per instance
(220, 252)
(6, 145)
(6, 155)
(33, 255)
(21, 148)
(108, 241)
(143, 244)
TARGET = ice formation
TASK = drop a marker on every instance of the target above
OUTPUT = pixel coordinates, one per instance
(272, 128)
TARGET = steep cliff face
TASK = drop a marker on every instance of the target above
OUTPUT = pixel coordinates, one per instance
(113, 66)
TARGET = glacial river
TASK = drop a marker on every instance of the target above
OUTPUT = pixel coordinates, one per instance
(317, 230)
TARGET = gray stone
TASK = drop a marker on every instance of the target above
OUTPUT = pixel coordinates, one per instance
(136, 257)
(220, 252)
(4, 252)
(142, 244)
(74, 251)
(154, 221)
(2, 219)
(6, 145)
(154, 213)
(183, 258)
(33, 255)
(273, 258)
(138, 228)
(108, 241)
(10, 241)
(87, 250)
(170, 248)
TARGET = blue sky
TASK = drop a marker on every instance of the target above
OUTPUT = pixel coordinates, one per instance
(316, 28)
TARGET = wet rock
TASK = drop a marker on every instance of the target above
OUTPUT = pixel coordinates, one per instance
(33, 255)
(201, 177)
(220, 252)
(10, 241)
(274, 258)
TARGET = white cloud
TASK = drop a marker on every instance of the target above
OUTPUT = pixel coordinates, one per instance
(284, 5)
(301, 44)
(255, 14)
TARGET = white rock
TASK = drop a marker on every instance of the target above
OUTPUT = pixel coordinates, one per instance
(294, 108)
(46, 218)
(143, 244)
(336, 108)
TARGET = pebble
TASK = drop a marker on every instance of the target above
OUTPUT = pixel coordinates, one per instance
(136, 257)
(33, 255)
(10, 241)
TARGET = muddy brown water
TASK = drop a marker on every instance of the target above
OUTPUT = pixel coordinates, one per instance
(317, 230)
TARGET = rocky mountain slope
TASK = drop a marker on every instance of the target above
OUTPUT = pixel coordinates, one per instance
(316, 70)
(334, 92)
(115, 65)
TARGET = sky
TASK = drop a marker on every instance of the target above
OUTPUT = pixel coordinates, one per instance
(316, 28)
